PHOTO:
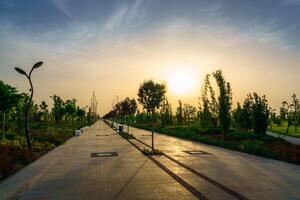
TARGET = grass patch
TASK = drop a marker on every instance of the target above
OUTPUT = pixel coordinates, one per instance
(282, 129)
(150, 152)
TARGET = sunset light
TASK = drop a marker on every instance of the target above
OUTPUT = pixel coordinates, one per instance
(181, 81)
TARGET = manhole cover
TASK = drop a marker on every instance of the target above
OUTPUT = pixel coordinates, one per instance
(196, 152)
(104, 154)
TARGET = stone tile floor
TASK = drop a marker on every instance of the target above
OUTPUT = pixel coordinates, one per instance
(252, 176)
(69, 171)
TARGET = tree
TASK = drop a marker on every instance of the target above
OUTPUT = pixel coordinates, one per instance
(58, 109)
(9, 97)
(166, 114)
(224, 101)
(237, 116)
(179, 113)
(80, 113)
(189, 112)
(151, 95)
(44, 109)
(246, 121)
(207, 105)
(70, 109)
(290, 112)
(260, 114)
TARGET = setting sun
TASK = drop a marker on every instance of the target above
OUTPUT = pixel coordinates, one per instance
(181, 81)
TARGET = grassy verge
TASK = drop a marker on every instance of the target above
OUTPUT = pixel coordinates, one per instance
(282, 129)
(244, 141)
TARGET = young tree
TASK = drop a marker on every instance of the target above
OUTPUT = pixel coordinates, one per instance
(9, 97)
(166, 113)
(237, 116)
(206, 107)
(179, 113)
(44, 110)
(189, 112)
(246, 122)
(151, 95)
(289, 111)
(260, 114)
(70, 109)
(58, 109)
(224, 101)
(80, 113)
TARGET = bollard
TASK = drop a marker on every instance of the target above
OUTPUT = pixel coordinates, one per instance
(77, 133)
(121, 129)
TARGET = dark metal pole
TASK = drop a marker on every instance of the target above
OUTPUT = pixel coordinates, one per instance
(27, 135)
(152, 136)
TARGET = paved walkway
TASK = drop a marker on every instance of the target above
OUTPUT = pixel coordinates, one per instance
(293, 140)
(69, 172)
(251, 176)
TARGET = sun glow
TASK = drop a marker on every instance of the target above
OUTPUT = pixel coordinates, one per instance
(181, 81)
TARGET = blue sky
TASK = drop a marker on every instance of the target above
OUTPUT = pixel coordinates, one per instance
(94, 39)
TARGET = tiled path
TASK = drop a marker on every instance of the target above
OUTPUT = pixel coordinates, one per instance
(68, 172)
(251, 176)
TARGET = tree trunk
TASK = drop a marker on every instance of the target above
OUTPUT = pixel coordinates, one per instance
(288, 127)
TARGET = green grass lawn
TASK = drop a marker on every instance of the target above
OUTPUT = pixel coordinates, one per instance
(282, 129)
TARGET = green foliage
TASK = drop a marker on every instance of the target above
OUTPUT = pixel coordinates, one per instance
(189, 112)
(260, 114)
(58, 109)
(166, 114)
(291, 113)
(151, 95)
(9, 97)
(179, 113)
(150, 152)
(224, 101)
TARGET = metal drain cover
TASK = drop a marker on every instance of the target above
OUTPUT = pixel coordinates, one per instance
(101, 135)
(104, 154)
(196, 152)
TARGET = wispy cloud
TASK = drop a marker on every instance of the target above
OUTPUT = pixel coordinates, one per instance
(291, 2)
(62, 6)
(125, 15)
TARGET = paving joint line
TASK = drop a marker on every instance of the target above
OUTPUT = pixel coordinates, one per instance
(182, 182)
(215, 183)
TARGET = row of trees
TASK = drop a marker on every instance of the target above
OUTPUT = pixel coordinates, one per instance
(215, 108)
(13, 105)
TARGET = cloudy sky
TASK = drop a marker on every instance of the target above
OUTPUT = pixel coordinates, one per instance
(112, 46)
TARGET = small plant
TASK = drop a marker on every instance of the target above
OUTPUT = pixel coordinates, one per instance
(149, 152)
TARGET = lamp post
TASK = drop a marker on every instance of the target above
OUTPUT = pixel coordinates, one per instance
(21, 71)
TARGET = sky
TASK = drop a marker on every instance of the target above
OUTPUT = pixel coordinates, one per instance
(111, 46)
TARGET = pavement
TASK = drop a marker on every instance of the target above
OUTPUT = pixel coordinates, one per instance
(207, 172)
(251, 176)
(290, 139)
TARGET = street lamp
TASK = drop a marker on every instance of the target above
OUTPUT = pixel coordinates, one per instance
(21, 71)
